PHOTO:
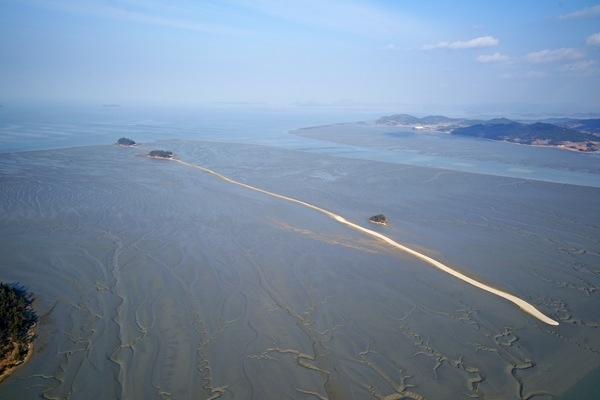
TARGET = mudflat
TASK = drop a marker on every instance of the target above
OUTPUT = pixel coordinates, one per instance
(154, 279)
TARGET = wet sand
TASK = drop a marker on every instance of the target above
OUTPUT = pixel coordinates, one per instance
(528, 308)
(158, 280)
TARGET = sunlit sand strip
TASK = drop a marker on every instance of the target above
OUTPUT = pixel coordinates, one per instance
(525, 306)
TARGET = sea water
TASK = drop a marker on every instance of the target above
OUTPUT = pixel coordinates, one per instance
(37, 128)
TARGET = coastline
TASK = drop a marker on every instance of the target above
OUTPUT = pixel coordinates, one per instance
(379, 223)
(579, 147)
(14, 365)
(460, 153)
(574, 148)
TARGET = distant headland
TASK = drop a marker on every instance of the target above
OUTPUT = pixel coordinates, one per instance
(567, 133)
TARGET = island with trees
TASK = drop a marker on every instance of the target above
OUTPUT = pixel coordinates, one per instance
(379, 219)
(17, 319)
(125, 142)
(160, 154)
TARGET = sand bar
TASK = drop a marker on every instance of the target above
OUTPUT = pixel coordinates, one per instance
(525, 306)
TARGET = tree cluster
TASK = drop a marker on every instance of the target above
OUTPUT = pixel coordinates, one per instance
(511, 131)
(17, 316)
(160, 154)
(379, 219)
(125, 142)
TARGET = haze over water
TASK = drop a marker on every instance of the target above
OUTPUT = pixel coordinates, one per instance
(156, 280)
(32, 128)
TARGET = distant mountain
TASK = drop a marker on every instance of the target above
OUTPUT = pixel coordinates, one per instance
(240, 103)
(583, 125)
(498, 121)
(314, 104)
(432, 122)
(398, 119)
(573, 134)
(440, 119)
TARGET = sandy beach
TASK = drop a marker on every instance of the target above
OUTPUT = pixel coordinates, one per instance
(158, 280)
(12, 366)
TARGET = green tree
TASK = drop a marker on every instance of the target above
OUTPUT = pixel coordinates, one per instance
(17, 317)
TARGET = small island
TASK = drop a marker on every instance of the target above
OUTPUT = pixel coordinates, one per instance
(379, 219)
(160, 154)
(125, 142)
(17, 319)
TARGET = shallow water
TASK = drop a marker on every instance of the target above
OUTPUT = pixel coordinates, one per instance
(441, 150)
(27, 128)
(156, 280)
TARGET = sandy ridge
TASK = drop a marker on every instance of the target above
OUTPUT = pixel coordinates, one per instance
(524, 305)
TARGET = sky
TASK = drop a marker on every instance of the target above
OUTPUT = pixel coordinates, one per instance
(538, 55)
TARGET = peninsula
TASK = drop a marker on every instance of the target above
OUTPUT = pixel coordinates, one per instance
(571, 134)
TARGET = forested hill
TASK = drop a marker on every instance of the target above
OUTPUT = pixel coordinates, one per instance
(572, 134)
(538, 133)
(582, 125)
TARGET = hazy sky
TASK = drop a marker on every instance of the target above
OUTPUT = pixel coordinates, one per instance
(401, 52)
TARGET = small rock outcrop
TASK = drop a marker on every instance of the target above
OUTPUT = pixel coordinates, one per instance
(379, 219)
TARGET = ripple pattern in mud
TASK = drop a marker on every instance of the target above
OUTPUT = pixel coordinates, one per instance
(154, 281)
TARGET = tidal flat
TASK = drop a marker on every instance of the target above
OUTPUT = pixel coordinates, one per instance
(157, 280)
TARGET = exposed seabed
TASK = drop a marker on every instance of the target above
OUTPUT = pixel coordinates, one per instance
(155, 280)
